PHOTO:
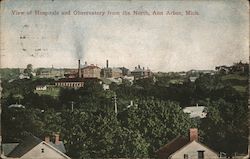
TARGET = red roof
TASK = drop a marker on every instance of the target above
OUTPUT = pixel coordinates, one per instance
(172, 147)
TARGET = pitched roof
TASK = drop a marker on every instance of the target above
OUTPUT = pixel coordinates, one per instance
(28, 143)
(16, 106)
(59, 146)
(195, 111)
(172, 146)
(8, 147)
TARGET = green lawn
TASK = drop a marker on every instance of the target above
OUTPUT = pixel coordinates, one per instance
(234, 76)
(241, 89)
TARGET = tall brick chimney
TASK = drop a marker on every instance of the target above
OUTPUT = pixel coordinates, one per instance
(107, 63)
(79, 69)
(57, 139)
(193, 134)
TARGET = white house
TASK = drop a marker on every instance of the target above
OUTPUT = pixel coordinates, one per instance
(41, 88)
(196, 111)
(34, 148)
(24, 76)
(184, 148)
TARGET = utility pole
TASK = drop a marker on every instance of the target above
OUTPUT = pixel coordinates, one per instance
(0, 118)
(115, 99)
(249, 108)
(72, 106)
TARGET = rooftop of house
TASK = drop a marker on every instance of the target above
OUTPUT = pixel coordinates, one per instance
(172, 146)
(8, 147)
(195, 111)
(59, 146)
(17, 150)
(26, 145)
(179, 142)
(16, 106)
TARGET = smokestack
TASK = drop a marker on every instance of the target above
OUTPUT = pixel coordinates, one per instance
(47, 139)
(193, 134)
(79, 69)
(57, 139)
(107, 63)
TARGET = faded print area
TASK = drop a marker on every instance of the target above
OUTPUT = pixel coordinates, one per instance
(216, 33)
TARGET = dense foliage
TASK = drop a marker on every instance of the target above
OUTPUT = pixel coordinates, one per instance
(89, 127)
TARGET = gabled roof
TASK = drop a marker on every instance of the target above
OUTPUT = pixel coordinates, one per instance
(172, 146)
(59, 146)
(28, 143)
(8, 147)
(194, 142)
(55, 149)
(177, 145)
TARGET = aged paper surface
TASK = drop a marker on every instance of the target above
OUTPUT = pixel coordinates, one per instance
(187, 53)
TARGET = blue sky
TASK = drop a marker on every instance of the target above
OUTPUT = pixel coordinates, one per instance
(218, 35)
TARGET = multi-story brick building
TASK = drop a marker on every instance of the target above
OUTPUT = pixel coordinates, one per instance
(91, 71)
(70, 82)
(139, 72)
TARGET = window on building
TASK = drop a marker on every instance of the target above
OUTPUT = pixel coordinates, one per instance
(200, 154)
(185, 156)
(42, 150)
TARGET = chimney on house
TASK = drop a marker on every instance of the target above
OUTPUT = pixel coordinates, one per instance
(47, 139)
(57, 139)
(107, 63)
(79, 69)
(193, 134)
(139, 67)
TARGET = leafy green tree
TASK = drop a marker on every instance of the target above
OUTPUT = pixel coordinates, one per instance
(157, 121)
(226, 124)
(28, 70)
(51, 121)
(18, 121)
(130, 143)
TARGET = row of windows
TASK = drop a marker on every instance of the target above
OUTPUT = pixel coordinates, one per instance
(68, 84)
(200, 155)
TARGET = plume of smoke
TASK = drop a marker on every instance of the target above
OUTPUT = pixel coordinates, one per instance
(78, 41)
